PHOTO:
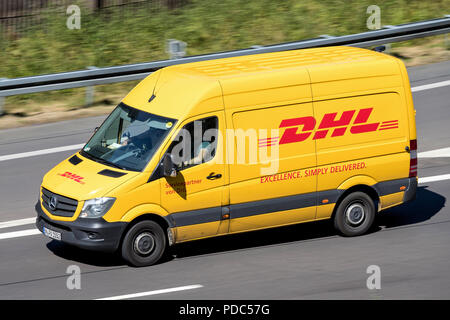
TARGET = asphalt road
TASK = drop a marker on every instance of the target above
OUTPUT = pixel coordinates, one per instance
(410, 243)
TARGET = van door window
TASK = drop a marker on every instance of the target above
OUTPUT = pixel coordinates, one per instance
(195, 143)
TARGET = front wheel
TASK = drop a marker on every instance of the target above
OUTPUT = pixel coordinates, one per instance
(144, 244)
(355, 214)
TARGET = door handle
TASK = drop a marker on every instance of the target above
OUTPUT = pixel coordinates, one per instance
(213, 176)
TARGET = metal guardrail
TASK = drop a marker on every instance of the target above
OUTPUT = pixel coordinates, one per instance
(97, 76)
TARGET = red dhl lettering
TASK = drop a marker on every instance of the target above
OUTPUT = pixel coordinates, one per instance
(72, 176)
(281, 177)
(313, 172)
(300, 129)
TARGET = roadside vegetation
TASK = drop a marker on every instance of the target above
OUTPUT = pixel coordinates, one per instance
(121, 36)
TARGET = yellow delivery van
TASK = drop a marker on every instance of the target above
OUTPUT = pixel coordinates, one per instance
(232, 145)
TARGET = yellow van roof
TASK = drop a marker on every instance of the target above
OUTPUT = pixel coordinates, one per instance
(179, 88)
(222, 69)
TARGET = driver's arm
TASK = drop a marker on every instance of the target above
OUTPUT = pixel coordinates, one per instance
(201, 154)
(125, 138)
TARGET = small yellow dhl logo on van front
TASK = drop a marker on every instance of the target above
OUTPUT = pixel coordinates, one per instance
(72, 176)
(328, 123)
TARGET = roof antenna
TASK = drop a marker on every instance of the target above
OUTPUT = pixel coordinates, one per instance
(152, 97)
(153, 92)
(154, 87)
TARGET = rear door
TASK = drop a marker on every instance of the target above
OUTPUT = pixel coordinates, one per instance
(358, 137)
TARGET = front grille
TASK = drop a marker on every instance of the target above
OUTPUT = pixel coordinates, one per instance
(65, 207)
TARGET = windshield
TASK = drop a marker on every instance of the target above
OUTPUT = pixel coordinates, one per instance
(128, 138)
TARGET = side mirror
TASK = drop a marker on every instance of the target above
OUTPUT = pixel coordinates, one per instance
(168, 168)
(96, 128)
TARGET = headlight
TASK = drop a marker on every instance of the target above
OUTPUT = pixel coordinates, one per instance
(96, 208)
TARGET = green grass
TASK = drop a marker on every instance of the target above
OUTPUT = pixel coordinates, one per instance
(115, 38)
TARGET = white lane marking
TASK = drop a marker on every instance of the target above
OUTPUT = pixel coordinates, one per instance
(444, 152)
(438, 153)
(79, 146)
(15, 223)
(431, 86)
(30, 232)
(40, 152)
(151, 293)
(16, 234)
(435, 178)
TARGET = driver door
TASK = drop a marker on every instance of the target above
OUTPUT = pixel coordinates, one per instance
(197, 198)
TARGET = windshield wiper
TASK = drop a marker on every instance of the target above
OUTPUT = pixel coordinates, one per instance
(102, 161)
(112, 164)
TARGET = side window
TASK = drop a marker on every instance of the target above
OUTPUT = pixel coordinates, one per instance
(195, 144)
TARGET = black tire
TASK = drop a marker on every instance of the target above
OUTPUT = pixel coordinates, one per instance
(355, 214)
(144, 244)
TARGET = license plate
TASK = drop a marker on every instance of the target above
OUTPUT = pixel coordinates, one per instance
(52, 234)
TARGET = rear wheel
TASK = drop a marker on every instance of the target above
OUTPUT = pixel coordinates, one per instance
(144, 244)
(355, 214)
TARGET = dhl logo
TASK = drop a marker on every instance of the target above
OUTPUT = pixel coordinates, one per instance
(72, 176)
(338, 127)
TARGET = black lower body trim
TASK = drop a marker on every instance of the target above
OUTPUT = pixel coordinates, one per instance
(411, 190)
(299, 201)
(186, 218)
(385, 188)
(246, 209)
(393, 186)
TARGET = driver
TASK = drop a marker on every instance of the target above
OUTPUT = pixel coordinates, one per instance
(205, 152)
(136, 133)
(206, 149)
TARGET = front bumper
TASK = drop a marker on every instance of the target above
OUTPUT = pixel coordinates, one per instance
(92, 234)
